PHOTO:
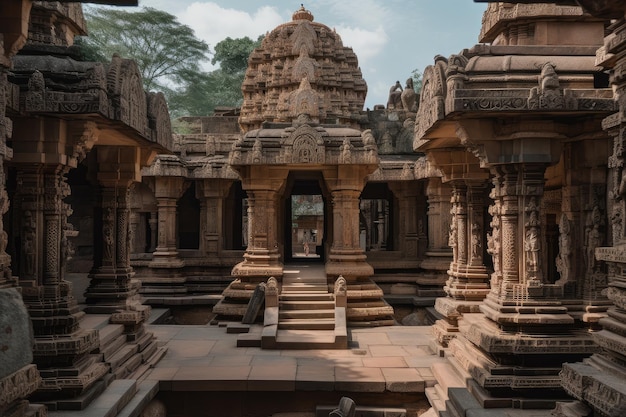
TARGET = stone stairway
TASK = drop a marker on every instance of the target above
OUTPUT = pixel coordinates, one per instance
(306, 316)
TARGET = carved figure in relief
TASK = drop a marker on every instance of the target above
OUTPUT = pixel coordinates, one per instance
(408, 96)
(531, 248)
(493, 248)
(616, 222)
(453, 240)
(593, 238)
(345, 155)
(29, 243)
(257, 151)
(565, 244)
(107, 235)
(395, 93)
(477, 245)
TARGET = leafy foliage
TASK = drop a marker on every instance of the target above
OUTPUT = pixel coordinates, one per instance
(417, 80)
(166, 51)
(170, 57)
(221, 87)
(232, 54)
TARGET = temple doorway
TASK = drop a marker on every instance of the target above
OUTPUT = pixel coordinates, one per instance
(305, 222)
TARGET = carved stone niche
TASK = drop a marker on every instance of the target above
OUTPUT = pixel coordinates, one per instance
(304, 145)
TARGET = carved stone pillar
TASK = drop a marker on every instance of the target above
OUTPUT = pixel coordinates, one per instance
(167, 191)
(517, 225)
(112, 286)
(585, 223)
(468, 282)
(439, 253)
(458, 227)
(346, 256)
(153, 223)
(44, 151)
(213, 192)
(262, 257)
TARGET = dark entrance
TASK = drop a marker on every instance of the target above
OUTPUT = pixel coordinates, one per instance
(305, 221)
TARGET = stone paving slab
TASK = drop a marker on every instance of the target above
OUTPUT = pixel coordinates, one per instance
(206, 358)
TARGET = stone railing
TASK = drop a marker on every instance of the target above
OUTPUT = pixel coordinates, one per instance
(341, 292)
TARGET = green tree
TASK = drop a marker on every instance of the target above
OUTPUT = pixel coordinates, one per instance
(166, 51)
(221, 87)
(417, 80)
(232, 54)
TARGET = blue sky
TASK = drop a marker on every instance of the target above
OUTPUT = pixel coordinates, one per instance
(390, 37)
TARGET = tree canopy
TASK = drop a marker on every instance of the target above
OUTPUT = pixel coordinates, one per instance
(222, 86)
(166, 51)
(170, 57)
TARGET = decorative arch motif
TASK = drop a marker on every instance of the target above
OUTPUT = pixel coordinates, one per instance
(128, 99)
(303, 38)
(432, 97)
(304, 145)
(159, 120)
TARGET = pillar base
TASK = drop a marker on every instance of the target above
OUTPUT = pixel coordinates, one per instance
(597, 381)
(351, 264)
(259, 264)
(166, 259)
(513, 365)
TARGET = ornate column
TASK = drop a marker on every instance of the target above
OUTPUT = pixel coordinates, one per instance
(167, 192)
(262, 257)
(412, 238)
(112, 288)
(41, 236)
(213, 192)
(346, 256)
(468, 283)
(153, 223)
(439, 254)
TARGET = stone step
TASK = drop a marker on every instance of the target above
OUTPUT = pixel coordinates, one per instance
(146, 391)
(321, 288)
(305, 339)
(307, 324)
(109, 404)
(306, 305)
(312, 314)
(109, 333)
(307, 296)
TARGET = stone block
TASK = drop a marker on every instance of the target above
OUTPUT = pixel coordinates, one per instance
(16, 335)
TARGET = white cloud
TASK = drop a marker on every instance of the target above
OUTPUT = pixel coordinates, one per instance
(213, 23)
(367, 44)
(368, 13)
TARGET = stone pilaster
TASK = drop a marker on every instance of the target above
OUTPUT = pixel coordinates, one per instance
(467, 284)
(439, 253)
(212, 192)
(153, 223)
(61, 347)
(112, 288)
(346, 256)
(262, 257)
(167, 191)
(521, 309)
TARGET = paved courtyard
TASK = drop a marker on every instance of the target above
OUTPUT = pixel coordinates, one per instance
(206, 358)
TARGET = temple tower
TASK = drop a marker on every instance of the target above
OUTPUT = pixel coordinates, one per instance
(303, 92)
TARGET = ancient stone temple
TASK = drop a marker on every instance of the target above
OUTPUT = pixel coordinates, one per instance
(299, 219)
(226, 206)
